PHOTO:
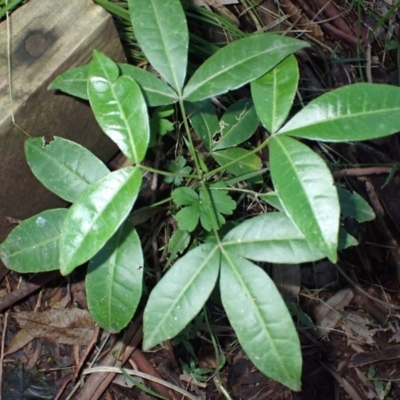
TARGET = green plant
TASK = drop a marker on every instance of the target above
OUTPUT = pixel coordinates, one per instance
(96, 229)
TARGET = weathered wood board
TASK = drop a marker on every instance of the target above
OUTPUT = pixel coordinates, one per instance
(48, 37)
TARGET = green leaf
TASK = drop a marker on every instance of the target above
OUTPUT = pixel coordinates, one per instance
(273, 238)
(361, 111)
(64, 167)
(188, 217)
(114, 280)
(178, 243)
(73, 82)
(204, 120)
(33, 246)
(119, 107)
(261, 320)
(221, 203)
(237, 124)
(306, 190)
(272, 199)
(180, 294)
(274, 92)
(354, 206)
(248, 162)
(96, 215)
(177, 167)
(346, 240)
(184, 196)
(239, 63)
(161, 31)
(155, 91)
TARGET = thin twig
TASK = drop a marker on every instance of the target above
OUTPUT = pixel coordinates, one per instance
(362, 171)
(116, 370)
(3, 338)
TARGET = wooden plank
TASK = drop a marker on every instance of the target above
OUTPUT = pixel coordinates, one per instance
(48, 37)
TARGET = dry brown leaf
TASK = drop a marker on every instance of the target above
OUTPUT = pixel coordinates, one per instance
(301, 22)
(20, 340)
(327, 315)
(68, 326)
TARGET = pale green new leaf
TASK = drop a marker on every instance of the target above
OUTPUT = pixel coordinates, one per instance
(306, 190)
(119, 107)
(239, 63)
(161, 31)
(273, 238)
(237, 124)
(361, 111)
(114, 279)
(96, 215)
(64, 167)
(261, 320)
(204, 120)
(354, 206)
(180, 294)
(274, 92)
(247, 163)
(33, 246)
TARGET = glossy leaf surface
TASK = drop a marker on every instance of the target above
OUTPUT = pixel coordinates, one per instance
(180, 294)
(361, 111)
(239, 63)
(73, 82)
(161, 31)
(204, 120)
(247, 162)
(261, 320)
(119, 107)
(273, 238)
(273, 93)
(96, 215)
(156, 92)
(33, 246)
(114, 279)
(64, 167)
(306, 190)
(237, 124)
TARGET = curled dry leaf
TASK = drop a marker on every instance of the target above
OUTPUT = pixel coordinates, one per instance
(68, 326)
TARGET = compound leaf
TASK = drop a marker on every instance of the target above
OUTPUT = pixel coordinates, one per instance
(96, 215)
(114, 279)
(239, 63)
(305, 188)
(64, 167)
(361, 111)
(33, 246)
(161, 31)
(261, 320)
(119, 107)
(274, 92)
(180, 294)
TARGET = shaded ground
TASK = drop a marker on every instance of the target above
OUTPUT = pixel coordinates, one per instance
(347, 315)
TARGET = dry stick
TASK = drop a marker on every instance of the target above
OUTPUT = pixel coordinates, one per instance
(362, 171)
(3, 338)
(73, 376)
(145, 366)
(98, 383)
(333, 15)
(36, 283)
(326, 25)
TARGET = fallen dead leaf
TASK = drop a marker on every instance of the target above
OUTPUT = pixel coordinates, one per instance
(68, 326)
